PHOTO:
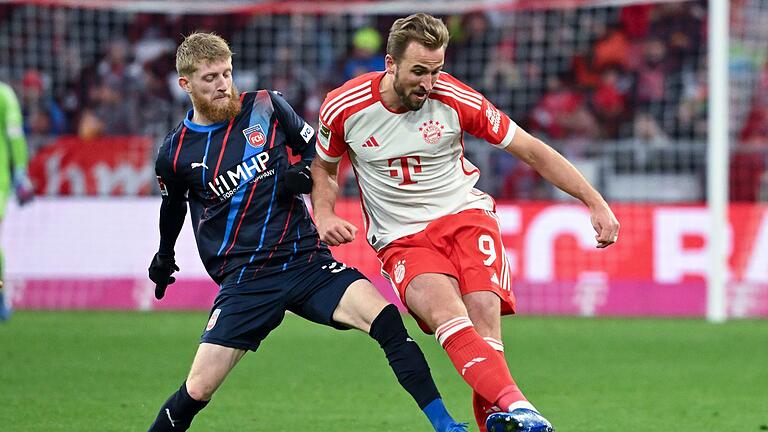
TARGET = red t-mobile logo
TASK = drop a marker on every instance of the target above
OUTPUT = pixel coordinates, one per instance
(404, 170)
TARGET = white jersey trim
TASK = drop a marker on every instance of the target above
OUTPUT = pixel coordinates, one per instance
(338, 99)
(505, 272)
(340, 104)
(471, 95)
(325, 156)
(439, 90)
(508, 137)
(341, 109)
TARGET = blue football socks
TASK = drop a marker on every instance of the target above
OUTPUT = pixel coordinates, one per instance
(439, 417)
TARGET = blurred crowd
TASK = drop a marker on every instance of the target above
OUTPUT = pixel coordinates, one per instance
(577, 78)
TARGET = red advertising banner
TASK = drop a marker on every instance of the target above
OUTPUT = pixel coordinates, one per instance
(658, 267)
(102, 166)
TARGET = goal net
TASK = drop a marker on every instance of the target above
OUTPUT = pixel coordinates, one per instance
(620, 87)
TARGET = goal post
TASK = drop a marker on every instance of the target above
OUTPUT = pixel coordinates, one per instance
(717, 159)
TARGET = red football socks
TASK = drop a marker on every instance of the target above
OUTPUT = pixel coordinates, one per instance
(480, 365)
(482, 407)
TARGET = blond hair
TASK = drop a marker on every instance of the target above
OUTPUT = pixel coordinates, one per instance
(421, 28)
(200, 47)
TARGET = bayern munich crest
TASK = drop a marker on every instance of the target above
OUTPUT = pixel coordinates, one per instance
(255, 136)
(431, 131)
(399, 271)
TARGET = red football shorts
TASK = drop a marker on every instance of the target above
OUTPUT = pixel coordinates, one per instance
(466, 246)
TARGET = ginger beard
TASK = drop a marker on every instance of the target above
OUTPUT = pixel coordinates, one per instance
(218, 110)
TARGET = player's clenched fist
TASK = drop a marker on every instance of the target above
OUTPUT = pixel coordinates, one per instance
(334, 230)
(606, 226)
(160, 272)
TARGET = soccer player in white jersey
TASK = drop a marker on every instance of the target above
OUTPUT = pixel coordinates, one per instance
(438, 237)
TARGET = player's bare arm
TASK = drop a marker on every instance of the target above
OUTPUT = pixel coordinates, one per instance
(332, 229)
(558, 171)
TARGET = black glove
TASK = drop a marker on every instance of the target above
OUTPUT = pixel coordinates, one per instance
(160, 270)
(296, 180)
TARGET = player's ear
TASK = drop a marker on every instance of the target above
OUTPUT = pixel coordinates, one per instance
(389, 62)
(184, 84)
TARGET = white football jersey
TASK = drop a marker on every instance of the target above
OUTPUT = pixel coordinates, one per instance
(410, 165)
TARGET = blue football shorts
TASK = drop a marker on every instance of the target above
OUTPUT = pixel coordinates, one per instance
(244, 313)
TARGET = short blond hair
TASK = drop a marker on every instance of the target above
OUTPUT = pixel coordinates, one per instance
(200, 47)
(422, 28)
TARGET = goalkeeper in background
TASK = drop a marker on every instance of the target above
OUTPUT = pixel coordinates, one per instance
(13, 165)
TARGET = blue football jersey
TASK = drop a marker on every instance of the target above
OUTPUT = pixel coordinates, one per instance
(229, 173)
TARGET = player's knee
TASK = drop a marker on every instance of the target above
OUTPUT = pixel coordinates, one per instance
(360, 318)
(359, 306)
(366, 318)
(435, 299)
(199, 389)
(387, 324)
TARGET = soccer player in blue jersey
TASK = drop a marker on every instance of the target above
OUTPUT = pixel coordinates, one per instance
(228, 162)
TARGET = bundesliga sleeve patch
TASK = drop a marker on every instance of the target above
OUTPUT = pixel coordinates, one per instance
(307, 132)
(161, 185)
(324, 136)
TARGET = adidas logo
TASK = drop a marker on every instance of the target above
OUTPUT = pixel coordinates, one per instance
(371, 142)
(471, 363)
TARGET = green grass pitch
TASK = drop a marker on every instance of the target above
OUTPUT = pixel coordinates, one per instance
(107, 371)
